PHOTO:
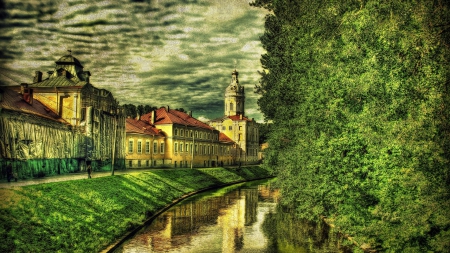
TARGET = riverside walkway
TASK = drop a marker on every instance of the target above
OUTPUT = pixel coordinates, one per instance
(78, 176)
(65, 177)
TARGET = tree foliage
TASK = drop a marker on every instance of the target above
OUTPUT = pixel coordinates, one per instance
(359, 94)
(132, 111)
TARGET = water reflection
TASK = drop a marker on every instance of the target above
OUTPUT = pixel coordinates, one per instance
(242, 218)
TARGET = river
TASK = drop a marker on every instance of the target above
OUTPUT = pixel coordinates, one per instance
(239, 218)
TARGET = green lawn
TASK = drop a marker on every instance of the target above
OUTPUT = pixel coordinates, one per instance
(90, 214)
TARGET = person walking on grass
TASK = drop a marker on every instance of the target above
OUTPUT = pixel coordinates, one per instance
(89, 170)
(9, 173)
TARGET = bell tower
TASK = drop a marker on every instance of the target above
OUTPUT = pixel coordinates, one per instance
(234, 96)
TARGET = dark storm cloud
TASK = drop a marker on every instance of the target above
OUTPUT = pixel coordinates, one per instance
(177, 53)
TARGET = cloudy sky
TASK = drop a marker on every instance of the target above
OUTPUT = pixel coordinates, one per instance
(159, 52)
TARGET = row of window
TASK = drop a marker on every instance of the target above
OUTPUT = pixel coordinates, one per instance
(198, 134)
(204, 149)
(178, 148)
(147, 147)
(181, 164)
(139, 163)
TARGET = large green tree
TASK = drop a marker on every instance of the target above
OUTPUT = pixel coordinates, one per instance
(359, 94)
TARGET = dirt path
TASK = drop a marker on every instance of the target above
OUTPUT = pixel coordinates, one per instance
(65, 177)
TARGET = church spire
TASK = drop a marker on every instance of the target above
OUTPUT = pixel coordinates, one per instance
(234, 96)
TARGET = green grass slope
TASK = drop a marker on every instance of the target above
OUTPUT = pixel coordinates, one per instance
(88, 215)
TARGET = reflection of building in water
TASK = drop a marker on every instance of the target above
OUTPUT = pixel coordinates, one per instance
(232, 221)
(268, 193)
(181, 224)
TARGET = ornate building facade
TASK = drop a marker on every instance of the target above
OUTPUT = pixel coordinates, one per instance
(239, 128)
(94, 116)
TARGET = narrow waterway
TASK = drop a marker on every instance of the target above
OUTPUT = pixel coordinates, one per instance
(239, 218)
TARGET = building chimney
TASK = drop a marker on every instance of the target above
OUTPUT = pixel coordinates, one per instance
(168, 108)
(86, 75)
(152, 120)
(37, 76)
(23, 86)
(190, 113)
(27, 93)
(240, 116)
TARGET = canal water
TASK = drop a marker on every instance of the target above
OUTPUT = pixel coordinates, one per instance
(239, 218)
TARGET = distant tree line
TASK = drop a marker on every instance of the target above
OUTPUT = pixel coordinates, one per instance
(359, 92)
(132, 111)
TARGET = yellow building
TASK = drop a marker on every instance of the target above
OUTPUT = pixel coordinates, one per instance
(242, 130)
(145, 145)
(93, 112)
(185, 142)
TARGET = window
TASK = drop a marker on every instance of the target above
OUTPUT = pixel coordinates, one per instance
(155, 147)
(139, 147)
(176, 147)
(223, 128)
(196, 134)
(191, 149)
(201, 135)
(147, 148)
(147, 163)
(181, 147)
(231, 107)
(130, 164)
(196, 148)
(182, 133)
(161, 149)
(187, 147)
(230, 128)
(139, 163)
(176, 132)
(209, 150)
(130, 146)
(240, 128)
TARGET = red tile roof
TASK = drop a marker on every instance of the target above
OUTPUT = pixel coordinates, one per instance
(141, 127)
(224, 138)
(13, 101)
(174, 117)
(238, 117)
(233, 117)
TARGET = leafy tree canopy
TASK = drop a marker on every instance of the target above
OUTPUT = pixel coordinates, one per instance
(359, 94)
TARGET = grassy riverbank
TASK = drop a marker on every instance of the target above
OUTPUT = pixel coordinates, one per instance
(88, 215)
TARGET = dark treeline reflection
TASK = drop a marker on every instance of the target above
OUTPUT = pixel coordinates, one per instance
(288, 233)
(242, 218)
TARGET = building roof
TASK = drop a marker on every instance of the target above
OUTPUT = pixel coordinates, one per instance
(224, 138)
(171, 116)
(59, 81)
(233, 118)
(12, 100)
(69, 60)
(141, 127)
